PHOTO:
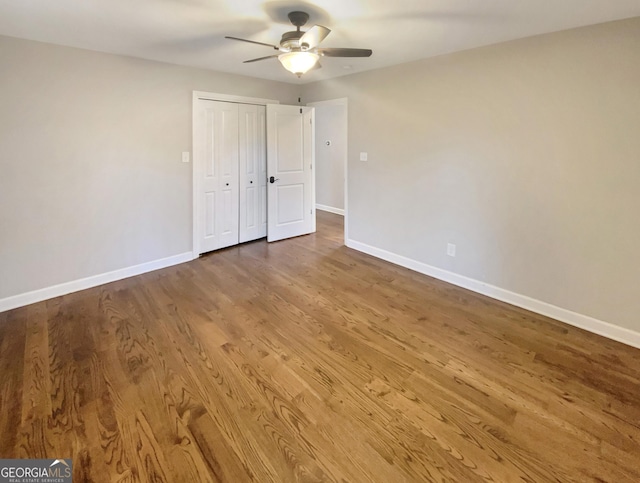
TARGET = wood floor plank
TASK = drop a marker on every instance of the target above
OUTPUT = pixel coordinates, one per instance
(13, 333)
(36, 402)
(303, 360)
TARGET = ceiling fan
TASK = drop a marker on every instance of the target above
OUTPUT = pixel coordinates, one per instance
(299, 52)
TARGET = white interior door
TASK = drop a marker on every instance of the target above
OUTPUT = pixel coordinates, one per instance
(253, 172)
(290, 157)
(216, 139)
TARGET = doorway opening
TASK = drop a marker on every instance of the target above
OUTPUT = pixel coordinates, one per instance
(331, 157)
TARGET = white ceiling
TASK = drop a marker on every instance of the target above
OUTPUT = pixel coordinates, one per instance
(191, 32)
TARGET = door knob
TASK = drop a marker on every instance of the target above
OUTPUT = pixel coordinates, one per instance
(273, 180)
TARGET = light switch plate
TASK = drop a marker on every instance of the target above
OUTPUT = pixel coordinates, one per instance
(185, 156)
(451, 249)
(363, 156)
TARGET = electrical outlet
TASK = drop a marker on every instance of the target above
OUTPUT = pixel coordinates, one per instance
(185, 156)
(363, 156)
(451, 249)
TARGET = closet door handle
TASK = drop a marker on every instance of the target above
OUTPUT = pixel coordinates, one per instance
(273, 180)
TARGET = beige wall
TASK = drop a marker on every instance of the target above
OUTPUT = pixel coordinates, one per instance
(91, 178)
(526, 155)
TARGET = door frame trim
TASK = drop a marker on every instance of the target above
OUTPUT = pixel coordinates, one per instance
(196, 168)
(342, 101)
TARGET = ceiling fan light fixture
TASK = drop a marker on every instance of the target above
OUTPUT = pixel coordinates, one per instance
(298, 62)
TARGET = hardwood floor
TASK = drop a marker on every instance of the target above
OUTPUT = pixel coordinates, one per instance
(304, 360)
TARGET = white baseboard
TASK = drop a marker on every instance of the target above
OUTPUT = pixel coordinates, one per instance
(330, 209)
(585, 322)
(27, 298)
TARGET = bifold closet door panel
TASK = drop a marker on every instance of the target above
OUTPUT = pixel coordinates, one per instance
(253, 172)
(219, 223)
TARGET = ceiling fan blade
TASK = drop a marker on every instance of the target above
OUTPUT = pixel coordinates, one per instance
(313, 37)
(261, 58)
(336, 52)
(253, 42)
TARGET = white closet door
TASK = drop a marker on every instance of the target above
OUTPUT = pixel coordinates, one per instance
(253, 172)
(218, 138)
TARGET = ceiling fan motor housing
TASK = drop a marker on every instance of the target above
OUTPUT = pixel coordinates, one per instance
(291, 40)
